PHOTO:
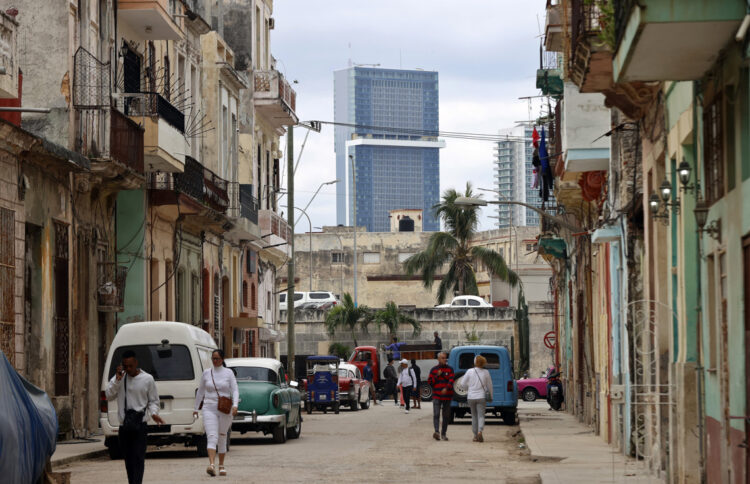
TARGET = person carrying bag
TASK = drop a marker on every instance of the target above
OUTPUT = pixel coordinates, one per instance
(478, 384)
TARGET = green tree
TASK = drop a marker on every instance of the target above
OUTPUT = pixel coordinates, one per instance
(392, 318)
(340, 349)
(347, 316)
(452, 247)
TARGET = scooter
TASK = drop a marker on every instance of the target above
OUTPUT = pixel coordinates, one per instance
(555, 397)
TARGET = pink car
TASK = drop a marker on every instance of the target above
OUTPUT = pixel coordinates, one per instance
(532, 388)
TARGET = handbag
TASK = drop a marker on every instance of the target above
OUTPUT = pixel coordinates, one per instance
(224, 404)
(133, 418)
(487, 396)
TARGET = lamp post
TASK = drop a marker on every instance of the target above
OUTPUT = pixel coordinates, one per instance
(354, 189)
(316, 194)
(515, 244)
(478, 202)
(310, 232)
(341, 262)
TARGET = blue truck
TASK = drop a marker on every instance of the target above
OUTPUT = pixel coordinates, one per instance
(504, 386)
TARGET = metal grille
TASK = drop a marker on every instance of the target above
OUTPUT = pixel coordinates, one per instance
(191, 181)
(7, 283)
(110, 286)
(126, 141)
(62, 287)
(714, 154)
(622, 13)
(91, 81)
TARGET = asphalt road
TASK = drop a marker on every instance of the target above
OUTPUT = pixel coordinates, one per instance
(381, 444)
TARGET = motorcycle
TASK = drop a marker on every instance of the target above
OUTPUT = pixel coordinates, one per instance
(555, 397)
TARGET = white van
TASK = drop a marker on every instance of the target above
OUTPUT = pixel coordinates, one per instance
(312, 299)
(175, 354)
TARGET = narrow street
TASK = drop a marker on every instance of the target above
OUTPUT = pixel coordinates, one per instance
(381, 444)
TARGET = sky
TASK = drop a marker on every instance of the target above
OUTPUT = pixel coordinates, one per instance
(485, 51)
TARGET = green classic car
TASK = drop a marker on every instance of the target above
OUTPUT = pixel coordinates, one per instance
(267, 403)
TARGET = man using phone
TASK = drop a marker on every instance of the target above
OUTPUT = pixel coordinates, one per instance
(441, 380)
(137, 400)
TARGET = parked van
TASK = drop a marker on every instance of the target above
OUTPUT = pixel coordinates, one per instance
(504, 386)
(309, 299)
(175, 354)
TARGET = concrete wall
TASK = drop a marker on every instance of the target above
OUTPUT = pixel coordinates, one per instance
(492, 326)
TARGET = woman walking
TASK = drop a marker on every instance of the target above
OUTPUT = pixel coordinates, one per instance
(218, 397)
(406, 381)
(479, 385)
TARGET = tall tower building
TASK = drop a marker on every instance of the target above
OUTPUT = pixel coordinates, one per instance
(392, 142)
(514, 175)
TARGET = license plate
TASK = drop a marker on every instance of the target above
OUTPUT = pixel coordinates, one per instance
(322, 397)
(463, 405)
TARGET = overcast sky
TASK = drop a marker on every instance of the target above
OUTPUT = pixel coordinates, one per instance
(486, 53)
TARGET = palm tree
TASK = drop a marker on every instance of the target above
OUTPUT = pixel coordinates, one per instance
(452, 247)
(392, 317)
(348, 316)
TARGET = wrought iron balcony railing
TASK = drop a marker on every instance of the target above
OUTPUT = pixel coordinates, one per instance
(197, 181)
(242, 202)
(154, 104)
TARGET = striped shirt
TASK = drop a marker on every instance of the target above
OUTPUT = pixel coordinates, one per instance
(441, 378)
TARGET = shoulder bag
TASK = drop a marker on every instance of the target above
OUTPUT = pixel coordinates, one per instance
(487, 395)
(224, 404)
(133, 418)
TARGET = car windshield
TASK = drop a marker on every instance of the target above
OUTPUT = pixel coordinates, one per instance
(173, 363)
(255, 373)
(343, 373)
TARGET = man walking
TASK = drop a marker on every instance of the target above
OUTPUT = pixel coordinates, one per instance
(441, 380)
(390, 381)
(137, 400)
(438, 344)
(406, 382)
(368, 377)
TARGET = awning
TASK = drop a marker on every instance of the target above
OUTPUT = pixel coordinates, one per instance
(271, 335)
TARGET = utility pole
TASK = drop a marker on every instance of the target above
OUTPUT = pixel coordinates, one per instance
(290, 261)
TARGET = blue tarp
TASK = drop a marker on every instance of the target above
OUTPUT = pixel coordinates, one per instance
(28, 427)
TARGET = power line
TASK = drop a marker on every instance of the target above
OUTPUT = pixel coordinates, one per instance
(431, 133)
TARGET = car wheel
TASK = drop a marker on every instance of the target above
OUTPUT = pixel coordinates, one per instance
(113, 448)
(366, 404)
(425, 392)
(529, 394)
(336, 407)
(459, 394)
(201, 445)
(354, 404)
(279, 432)
(308, 407)
(293, 432)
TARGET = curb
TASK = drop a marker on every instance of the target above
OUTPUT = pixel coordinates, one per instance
(76, 458)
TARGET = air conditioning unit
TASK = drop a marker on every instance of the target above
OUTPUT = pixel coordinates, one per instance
(271, 23)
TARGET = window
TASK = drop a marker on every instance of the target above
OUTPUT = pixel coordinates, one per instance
(459, 302)
(255, 373)
(493, 361)
(319, 295)
(172, 364)
(251, 261)
(711, 313)
(530, 247)
(337, 257)
(7, 278)
(245, 295)
(402, 256)
(466, 361)
(253, 297)
(474, 302)
(298, 296)
(714, 152)
(371, 257)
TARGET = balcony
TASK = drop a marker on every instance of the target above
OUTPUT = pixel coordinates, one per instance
(276, 233)
(274, 99)
(584, 120)
(243, 210)
(589, 58)
(549, 76)
(553, 29)
(8, 57)
(164, 131)
(148, 19)
(663, 41)
(110, 293)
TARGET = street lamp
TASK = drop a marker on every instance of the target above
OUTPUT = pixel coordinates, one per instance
(310, 223)
(354, 194)
(514, 231)
(478, 202)
(341, 262)
(701, 217)
(316, 194)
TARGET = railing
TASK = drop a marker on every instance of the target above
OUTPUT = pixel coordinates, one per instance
(584, 20)
(125, 141)
(197, 182)
(242, 202)
(272, 223)
(622, 8)
(110, 291)
(273, 83)
(154, 104)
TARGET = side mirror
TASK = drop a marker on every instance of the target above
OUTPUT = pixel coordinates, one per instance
(293, 384)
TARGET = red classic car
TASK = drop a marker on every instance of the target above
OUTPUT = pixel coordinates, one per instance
(353, 390)
(532, 388)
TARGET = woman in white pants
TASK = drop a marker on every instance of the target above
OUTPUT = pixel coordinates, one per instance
(478, 382)
(216, 381)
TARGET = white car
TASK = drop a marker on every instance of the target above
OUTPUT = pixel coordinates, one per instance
(314, 298)
(464, 302)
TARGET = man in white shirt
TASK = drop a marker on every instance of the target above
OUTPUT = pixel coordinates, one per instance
(137, 400)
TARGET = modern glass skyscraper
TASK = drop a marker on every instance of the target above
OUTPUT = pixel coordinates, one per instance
(392, 141)
(514, 175)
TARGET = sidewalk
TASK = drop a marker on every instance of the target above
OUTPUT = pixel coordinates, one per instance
(584, 457)
(75, 450)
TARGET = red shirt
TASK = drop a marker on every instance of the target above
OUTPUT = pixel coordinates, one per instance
(441, 378)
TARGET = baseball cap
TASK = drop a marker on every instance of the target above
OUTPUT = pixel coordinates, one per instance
(404, 361)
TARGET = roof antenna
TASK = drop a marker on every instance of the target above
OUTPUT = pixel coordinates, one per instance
(350, 54)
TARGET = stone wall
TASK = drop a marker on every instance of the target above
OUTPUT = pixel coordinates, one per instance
(493, 326)
(541, 321)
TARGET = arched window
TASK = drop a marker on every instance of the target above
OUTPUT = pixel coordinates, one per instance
(253, 297)
(244, 294)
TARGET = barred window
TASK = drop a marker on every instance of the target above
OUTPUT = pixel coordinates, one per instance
(714, 149)
(337, 257)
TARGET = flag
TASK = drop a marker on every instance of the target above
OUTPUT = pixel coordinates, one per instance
(535, 138)
(543, 155)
